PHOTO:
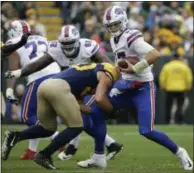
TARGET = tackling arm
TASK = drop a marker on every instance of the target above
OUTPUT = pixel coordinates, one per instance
(105, 82)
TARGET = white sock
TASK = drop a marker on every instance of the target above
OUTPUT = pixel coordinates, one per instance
(75, 141)
(54, 135)
(108, 140)
(33, 144)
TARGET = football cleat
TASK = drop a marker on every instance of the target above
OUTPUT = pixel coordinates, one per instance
(97, 160)
(186, 161)
(113, 150)
(28, 155)
(9, 142)
(44, 161)
(68, 154)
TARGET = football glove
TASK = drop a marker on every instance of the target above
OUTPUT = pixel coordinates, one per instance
(13, 74)
(11, 97)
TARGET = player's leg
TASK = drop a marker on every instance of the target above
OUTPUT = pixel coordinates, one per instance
(65, 105)
(95, 125)
(28, 111)
(145, 104)
(45, 113)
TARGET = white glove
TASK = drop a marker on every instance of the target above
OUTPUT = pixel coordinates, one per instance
(10, 96)
(13, 74)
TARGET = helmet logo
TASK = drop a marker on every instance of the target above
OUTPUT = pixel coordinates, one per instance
(12, 27)
(74, 31)
(119, 11)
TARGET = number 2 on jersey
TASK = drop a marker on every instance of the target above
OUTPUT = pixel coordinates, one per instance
(34, 45)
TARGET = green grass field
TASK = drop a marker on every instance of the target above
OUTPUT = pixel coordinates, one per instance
(138, 156)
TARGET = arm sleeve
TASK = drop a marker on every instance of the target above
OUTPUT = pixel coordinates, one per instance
(141, 47)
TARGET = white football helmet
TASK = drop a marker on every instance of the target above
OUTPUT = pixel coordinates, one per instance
(69, 39)
(115, 20)
(17, 28)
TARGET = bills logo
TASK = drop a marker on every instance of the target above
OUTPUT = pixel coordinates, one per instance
(74, 31)
(115, 92)
(12, 27)
(119, 11)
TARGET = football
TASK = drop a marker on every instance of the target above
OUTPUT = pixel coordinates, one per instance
(122, 63)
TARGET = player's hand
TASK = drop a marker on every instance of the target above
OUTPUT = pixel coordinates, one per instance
(25, 38)
(13, 74)
(85, 109)
(11, 97)
(129, 69)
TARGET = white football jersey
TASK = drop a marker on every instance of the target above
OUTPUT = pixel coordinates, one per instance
(131, 45)
(86, 50)
(35, 48)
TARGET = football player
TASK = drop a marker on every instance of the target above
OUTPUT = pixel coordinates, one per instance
(69, 50)
(56, 97)
(136, 85)
(33, 48)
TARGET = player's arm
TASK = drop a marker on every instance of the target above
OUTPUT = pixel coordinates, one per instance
(35, 66)
(84, 108)
(105, 82)
(98, 57)
(142, 48)
(10, 48)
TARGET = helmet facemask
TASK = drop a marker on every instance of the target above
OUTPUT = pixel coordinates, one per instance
(69, 47)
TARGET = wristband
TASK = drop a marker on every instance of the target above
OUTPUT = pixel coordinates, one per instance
(140, 66)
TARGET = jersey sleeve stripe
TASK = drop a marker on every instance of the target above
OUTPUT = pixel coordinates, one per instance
(132, 35)
(95, 49)
(132, 40)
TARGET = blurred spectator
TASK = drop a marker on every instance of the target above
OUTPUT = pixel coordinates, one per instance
(33, 20)
(90, 26)
(176, 80)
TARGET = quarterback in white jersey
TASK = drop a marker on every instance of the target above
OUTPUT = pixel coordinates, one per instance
(33, 49)
(69, 50)
(136, 86)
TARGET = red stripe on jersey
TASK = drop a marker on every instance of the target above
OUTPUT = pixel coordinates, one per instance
(24, 26)
(132, 35)
(67, 31)
(108, 16)
(135, 38)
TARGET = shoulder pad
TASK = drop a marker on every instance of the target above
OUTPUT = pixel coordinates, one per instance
(90, 46)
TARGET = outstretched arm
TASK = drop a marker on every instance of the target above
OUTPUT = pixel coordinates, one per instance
(35, 66)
